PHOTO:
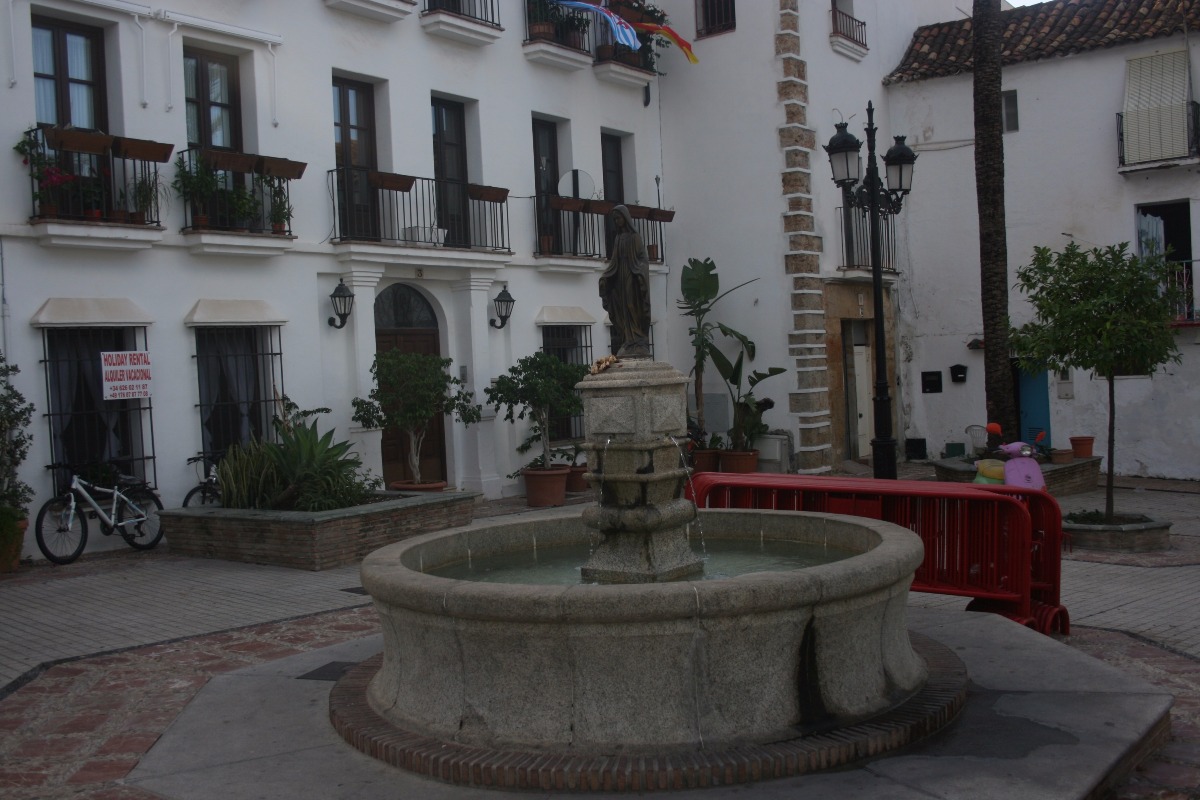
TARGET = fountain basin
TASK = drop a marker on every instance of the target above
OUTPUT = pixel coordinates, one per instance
(644, 667)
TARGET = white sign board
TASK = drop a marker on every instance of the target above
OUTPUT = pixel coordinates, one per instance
(126, 374)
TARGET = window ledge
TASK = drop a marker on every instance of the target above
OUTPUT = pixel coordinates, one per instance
(540, 51)
(1143, 166)
(381, 10)
(852, 50)
(426, 257)
(622, 74)
(856, 275)
(255, 245)
(96, 235)
(459, 29)
(575, 265)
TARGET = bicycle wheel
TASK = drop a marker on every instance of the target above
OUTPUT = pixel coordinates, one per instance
(146, 533)
(203, 495)
(61, 535)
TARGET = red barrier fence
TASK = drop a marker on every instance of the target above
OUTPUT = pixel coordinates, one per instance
(999, 545)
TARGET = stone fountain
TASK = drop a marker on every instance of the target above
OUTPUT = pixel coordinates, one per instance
(642, 660)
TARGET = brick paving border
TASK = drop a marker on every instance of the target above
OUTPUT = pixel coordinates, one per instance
(930, 709)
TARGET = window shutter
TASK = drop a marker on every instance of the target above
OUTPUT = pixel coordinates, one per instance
(1154, 124)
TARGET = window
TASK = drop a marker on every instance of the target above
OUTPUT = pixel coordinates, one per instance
(68, 74)
(612, 168)
(86, 430)
(1158, 119)
(210, 89)
(572, 344)
(545, 181)
(450, 169)
(1008, 110)
(715, 16)
(239, 370)
(1167, 228)
(354, 155)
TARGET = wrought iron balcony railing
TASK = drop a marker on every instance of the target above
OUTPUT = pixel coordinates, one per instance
(550, 22)
(572, 226)
(850, 28)
(485, 11)
(92, 176)
(1145, 136)
(402, 209)
(856, 242)
(229, 191)
(1181, 278)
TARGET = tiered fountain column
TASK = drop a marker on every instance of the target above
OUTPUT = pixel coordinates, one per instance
(635, 416)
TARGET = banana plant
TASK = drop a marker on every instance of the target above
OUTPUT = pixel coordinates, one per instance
(747, 409)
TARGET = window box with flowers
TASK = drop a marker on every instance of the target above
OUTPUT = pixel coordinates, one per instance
(47, 178)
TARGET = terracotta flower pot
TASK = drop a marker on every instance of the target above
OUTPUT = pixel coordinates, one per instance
(545, 487)
(1064, 456)
(739, 461)
(705, 460)
(1082, 446)
(575, 479)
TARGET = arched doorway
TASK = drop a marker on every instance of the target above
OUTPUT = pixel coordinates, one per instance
(405, 321)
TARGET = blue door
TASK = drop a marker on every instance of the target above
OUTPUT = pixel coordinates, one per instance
(1034, 403)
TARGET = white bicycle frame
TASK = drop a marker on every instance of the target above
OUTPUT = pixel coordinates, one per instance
(80, 488)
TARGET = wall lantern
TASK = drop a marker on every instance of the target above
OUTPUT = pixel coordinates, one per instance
(343, 303)
(504, 306)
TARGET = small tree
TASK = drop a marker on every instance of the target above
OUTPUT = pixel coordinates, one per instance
(15, 415)
(411, 389)
(1104, 310)
(539, 386)
(701, 290)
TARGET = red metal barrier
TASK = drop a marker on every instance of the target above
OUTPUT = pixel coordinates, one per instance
(999, 547)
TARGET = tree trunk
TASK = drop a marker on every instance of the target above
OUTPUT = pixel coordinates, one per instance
(1112, 429)
(415, 440)
(987, 34)
(700, 400)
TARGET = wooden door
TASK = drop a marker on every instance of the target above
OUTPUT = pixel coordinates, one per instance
(405, 321)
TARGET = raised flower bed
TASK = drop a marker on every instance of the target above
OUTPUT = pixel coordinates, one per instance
(312, 540)
(1081, 475)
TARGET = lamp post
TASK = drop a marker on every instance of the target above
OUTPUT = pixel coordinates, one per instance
(872, 198)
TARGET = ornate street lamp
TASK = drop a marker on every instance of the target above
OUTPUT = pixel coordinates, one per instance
(343, 303)
(873, 199)
(504, 303)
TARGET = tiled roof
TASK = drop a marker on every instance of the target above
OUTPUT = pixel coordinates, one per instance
(1046, 30)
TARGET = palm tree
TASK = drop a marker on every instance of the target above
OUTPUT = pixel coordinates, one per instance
(987, 37)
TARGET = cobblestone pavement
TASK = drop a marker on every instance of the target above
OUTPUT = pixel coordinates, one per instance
(75, 729)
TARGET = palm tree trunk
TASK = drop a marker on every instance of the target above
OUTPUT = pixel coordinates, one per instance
(987, 35)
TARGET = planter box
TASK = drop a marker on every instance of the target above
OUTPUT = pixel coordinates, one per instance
(142, 149)
(390, 181)
(1081, 475)
(275, 167)
(1130, 537)
(316, 540)
(490, 194)
(563, 203)
(75, 141)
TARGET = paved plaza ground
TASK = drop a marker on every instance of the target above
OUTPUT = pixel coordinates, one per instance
(99, 658)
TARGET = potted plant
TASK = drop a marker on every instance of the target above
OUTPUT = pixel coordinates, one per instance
(572, 29)
(543, 17)
(708, 457)
(145, 193)
(411, 389)
(701, 289)
(1104, 310)
(280, 211)
(16, 414)
(539, 386)
(196, 183)
(244, 208)
(47, 176)
(91, 189)
(747, 411)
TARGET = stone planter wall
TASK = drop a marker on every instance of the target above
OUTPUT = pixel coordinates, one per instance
(312, 541)
(1131, 537)
(1081, 475)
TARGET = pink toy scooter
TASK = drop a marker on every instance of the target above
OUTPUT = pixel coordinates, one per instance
(1022, 468)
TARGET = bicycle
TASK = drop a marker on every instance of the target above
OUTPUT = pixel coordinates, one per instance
(62, 526)
(208, 491)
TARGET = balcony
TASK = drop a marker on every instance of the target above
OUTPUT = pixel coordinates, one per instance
(848, 35)
(236, 203)
(1180, 278)
(578, 228)
(402, 210)
(1157, 137)
(473, 22)
(855, 234)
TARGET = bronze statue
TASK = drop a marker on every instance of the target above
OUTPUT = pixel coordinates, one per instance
(625, 288)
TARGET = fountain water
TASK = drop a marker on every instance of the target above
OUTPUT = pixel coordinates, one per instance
(640, 663)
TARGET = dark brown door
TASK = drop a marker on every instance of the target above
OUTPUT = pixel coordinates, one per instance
(405, 321)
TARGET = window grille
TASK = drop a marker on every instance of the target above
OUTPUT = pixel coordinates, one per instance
(715, 16)
(240, 374)
(88, 432)
(572, 344)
